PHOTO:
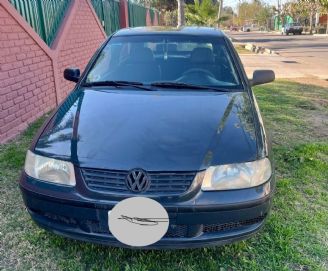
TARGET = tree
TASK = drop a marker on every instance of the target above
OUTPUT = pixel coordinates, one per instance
(181, 13)
(295, 10)
(203, 13)
(324, 3)
(311, 6)
(162, 5)
(256, 11)
(220, 10)
(228, 13)
(170, 17)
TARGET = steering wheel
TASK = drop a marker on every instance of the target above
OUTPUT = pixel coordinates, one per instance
(197, 76)
(197, 71)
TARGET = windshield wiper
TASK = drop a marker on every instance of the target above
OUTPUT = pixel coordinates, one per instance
(187, 86)
(138, 85)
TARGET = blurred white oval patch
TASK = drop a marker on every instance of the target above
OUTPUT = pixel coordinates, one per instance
(138, 221)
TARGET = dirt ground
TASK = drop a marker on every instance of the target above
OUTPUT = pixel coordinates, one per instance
(319, 119)
(311, 81)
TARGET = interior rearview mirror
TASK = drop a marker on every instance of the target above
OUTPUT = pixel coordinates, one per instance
(262, 77)
(72, 74)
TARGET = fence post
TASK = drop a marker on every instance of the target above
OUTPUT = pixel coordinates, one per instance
(42, 21)
(124, 14)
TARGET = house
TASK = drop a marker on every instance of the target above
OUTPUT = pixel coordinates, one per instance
(323, 19)
(278, 24)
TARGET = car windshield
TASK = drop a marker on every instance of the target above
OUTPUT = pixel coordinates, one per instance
(158, 59)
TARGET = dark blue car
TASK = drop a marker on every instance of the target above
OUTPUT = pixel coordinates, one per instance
(173, 106)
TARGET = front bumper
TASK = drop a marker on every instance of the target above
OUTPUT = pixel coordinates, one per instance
(191, 224)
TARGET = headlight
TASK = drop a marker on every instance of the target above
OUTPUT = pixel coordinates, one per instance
(49, 169)
(237, 176)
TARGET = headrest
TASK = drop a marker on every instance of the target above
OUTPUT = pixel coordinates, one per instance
(160, 47)
(202, 55)
(172, 47)
(141, 55)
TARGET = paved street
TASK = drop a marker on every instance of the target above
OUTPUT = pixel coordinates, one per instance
(298, 56)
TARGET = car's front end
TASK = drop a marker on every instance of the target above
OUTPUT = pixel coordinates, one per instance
(197, 218)
(292, 28)
(202, 150)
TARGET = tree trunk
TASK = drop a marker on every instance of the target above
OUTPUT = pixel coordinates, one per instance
(181, 13)
(311, 22)
(220, 11)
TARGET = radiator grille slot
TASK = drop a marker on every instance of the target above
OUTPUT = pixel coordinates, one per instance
(111, 181)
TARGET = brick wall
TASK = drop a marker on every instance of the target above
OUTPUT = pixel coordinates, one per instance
(27, 88)
(31, 73)
(82, 40)
(148, 19)
(156, 20)
(31, 80)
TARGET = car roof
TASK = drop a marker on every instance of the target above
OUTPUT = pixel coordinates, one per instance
(158, 30)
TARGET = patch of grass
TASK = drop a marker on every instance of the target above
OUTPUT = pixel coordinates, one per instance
(241, 49)
(294, 238)
(289, 109)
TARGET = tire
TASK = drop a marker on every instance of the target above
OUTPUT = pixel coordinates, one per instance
(248, 30)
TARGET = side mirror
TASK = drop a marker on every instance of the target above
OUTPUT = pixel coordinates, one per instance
(262, 77)
(72, 74)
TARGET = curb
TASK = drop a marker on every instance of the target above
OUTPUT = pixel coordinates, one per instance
(259, 49)
(320, 35)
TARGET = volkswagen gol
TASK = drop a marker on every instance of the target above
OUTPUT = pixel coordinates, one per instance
(166, 114)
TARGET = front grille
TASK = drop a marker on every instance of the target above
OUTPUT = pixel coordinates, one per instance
(174, 231)
(231, 225)
(113, 181)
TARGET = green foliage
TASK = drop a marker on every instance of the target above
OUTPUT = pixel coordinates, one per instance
(324, 3)
(168, 5)
(255, 12)
(171, 18)
(203, 13)
(294, 10)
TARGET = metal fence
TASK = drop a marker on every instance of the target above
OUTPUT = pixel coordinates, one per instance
(45, 16)
(137, 14)
(108, 12)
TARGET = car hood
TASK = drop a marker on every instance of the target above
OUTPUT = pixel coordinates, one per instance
(156, 131)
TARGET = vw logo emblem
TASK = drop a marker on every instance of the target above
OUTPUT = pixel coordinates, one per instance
(137, 180)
